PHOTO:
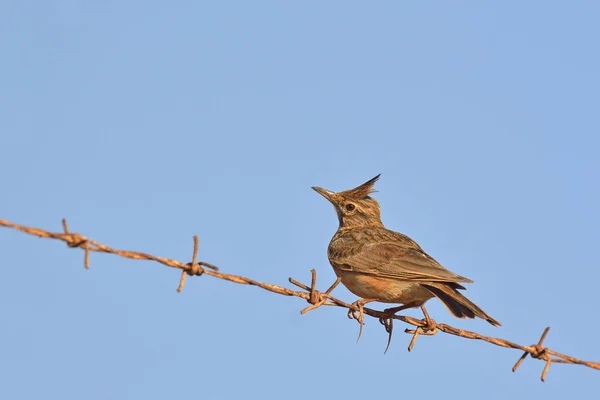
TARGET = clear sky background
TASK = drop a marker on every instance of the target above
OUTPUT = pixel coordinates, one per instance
(146, 122)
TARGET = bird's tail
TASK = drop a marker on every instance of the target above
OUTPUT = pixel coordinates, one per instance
(456, 303)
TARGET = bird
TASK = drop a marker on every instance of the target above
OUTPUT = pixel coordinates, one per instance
(378, 264)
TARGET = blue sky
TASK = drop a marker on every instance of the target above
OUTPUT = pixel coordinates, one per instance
(145, 123)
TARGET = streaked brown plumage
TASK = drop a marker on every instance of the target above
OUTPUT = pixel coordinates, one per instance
(378, 264)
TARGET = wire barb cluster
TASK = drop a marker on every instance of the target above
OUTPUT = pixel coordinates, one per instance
(313, 296)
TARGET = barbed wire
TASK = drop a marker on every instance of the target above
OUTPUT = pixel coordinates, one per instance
(313, 296)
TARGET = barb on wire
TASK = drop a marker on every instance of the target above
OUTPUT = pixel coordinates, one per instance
(316, 299)
(313, 296)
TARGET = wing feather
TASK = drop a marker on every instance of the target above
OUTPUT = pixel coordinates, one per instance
(396, 260)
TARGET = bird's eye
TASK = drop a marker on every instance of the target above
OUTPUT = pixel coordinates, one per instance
(350, 207)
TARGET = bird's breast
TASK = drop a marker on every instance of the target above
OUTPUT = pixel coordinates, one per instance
(385, 290)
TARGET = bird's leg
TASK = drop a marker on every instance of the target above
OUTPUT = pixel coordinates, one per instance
(394, 310)
(360, 317)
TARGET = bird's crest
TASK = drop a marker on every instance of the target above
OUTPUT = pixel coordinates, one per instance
(361, 192)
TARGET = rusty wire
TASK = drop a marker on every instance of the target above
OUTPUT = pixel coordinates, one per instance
(311, 295)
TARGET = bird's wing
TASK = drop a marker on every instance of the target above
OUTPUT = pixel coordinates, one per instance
(395, 260)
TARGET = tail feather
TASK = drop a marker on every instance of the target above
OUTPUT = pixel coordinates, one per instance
(456, 308)
(458, 304)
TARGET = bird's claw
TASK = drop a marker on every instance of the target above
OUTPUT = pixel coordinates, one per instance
(388, 323)
(359, 314)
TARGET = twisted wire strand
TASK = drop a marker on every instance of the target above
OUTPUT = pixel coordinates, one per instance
(308, 293)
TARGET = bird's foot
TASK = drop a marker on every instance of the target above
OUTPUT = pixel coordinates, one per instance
(388, 320)
(359, 314)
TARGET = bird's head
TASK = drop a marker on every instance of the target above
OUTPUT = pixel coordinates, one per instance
(355, 207)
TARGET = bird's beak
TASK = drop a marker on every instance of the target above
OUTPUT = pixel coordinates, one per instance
(325, 193)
